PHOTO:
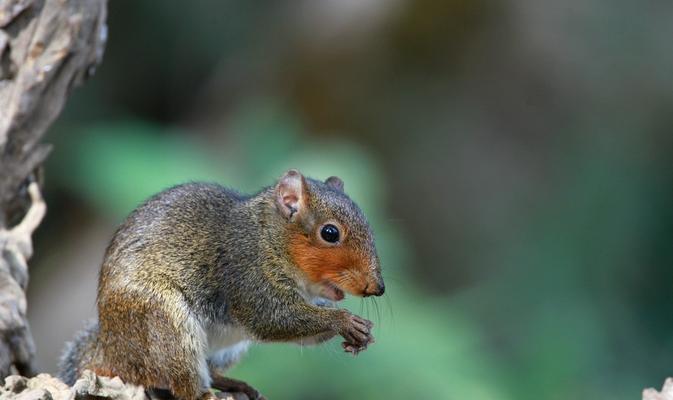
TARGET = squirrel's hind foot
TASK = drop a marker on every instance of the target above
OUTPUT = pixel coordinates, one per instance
(234, 385)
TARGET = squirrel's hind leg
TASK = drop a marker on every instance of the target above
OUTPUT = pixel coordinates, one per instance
(165, 349)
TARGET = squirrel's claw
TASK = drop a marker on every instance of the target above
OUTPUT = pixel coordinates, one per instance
(359, 336)
(355, 350)
(226, 384)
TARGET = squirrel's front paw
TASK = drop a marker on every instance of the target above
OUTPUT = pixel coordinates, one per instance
(357, 332)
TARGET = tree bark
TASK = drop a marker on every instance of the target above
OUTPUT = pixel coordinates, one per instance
(46, 48)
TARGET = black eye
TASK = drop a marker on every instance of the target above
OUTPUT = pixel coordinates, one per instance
(330, 233)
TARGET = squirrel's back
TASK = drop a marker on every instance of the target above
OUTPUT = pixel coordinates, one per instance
(191, 214)
(184, 229)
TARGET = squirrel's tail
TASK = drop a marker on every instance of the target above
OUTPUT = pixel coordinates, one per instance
(72, 361)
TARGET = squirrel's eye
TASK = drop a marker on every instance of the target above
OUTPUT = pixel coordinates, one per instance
(330, 233)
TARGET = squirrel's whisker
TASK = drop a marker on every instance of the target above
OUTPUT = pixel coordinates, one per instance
(378, 312)
(389, 303)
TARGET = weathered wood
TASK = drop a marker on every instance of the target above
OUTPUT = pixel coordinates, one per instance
(46, 48)
(88, 386)
(665, 394)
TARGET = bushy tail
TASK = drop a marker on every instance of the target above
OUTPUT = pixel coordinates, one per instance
(78, 353)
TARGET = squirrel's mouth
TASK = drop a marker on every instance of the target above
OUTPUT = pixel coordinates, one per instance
(331, 291)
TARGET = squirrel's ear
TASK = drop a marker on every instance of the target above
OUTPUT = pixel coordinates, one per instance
(335, 182)
(291, 194)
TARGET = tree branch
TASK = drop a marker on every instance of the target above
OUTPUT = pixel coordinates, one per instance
(46, 48)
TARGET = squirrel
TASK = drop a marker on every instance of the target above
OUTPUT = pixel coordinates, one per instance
(198, 272)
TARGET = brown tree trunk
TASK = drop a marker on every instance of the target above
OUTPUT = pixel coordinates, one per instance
(46, 48)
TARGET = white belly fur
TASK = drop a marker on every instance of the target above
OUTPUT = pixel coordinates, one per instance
(226, 344)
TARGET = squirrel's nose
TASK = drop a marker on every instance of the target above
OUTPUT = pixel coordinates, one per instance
(382, 289)
(375, 291)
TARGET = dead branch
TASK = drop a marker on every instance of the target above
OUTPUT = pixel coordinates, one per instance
(46, 48)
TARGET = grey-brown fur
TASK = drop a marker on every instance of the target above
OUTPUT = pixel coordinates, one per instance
(76, 351)
(199, 259)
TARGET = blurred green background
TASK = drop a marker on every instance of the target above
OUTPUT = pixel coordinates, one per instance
(515, 159)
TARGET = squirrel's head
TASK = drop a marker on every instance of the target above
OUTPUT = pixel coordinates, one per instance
(329, 237)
